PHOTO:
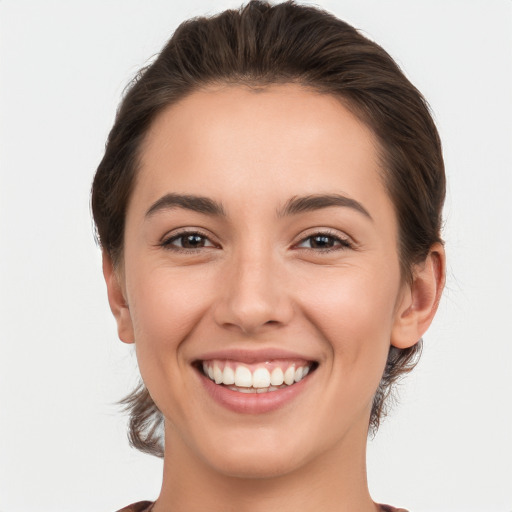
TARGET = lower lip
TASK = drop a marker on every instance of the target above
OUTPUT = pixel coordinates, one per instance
(253, 403)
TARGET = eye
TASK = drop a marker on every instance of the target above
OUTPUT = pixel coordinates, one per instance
(324, 242)
(187, 240)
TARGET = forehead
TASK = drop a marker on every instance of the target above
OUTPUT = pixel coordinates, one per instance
(241, 143)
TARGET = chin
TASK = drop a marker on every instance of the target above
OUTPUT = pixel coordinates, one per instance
(252, 466)
(254, 456)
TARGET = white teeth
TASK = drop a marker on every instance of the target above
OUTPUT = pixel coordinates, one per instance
(289, 375)
(276, 377)
(243, 377)
(245, 390)
(254, 390)
(261, 378)
(228, 376)
(217, 374)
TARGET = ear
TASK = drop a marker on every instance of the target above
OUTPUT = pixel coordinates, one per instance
(420, 299)
(117, 301)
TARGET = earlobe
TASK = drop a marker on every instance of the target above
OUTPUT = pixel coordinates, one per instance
(420, 300)
(117, 301)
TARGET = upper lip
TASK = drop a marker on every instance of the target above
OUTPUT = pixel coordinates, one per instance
(253, 356)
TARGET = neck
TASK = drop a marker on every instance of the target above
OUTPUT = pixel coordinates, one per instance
(334, 481)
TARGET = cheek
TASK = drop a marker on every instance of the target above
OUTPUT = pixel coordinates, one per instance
(353, 308)
(352, 314)
(167, 306)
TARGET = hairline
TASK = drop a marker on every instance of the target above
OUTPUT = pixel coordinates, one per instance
(257, 85)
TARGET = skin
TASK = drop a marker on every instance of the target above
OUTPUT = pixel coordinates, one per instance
(257, 280)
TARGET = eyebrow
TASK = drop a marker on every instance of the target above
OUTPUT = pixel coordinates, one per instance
(296, 205)
(198, 204)
(319, 201)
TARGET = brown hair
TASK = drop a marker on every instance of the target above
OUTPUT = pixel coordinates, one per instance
(261, 44)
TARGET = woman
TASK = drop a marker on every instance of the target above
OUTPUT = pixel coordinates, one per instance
(269, 209)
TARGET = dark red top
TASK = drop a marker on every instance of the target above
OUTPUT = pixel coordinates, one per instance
(141, 506)
(146, 506)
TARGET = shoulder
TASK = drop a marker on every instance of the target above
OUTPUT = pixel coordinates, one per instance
(145, 506)
(141, 506)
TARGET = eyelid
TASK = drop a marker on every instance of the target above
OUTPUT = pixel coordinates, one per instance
(169, 237)
(346, 242)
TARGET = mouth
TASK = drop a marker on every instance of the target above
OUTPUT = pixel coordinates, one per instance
(263, 377)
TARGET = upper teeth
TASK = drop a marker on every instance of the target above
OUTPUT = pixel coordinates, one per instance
(260, 377)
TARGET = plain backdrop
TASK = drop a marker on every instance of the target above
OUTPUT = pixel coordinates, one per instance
(63, 65)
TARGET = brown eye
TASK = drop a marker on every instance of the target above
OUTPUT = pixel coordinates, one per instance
(188, 241)
(192, 241)
(324, 241)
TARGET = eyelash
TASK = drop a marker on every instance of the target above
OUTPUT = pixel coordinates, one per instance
(343, 243)
(167, 243)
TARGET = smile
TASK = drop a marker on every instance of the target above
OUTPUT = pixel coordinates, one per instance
(264, 377)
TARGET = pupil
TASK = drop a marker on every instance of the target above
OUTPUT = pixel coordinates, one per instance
(192, 241)
(322, 241)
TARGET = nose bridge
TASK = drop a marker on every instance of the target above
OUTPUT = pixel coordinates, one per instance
(253, 296)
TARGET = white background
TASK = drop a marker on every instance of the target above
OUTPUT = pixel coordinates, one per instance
(63, 66)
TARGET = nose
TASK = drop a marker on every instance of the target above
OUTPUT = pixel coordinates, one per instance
(253, 296)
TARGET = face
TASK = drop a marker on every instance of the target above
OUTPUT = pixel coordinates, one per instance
(261, 249)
